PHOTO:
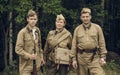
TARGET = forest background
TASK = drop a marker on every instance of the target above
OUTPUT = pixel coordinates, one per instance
(13, 13)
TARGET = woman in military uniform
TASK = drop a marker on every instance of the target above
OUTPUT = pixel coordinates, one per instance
(58, 38)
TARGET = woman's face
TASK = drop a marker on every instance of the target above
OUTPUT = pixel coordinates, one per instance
(59, 24)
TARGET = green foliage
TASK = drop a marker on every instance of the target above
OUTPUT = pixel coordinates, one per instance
(118, 44)
(11, 69)
(53, 7)
(1, 8)
(72, 4)
(22, 9)
(112, 66)
(97, 13)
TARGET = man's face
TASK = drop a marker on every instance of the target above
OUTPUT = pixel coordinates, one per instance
(59, 24)
(32, 20)
(85, 17)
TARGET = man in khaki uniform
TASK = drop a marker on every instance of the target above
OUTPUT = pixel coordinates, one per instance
(89, 46)
(28, 38)
(58, 38)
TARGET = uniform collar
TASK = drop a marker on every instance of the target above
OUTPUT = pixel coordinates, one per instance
(29, 28)
(58, 30)
(86, 26)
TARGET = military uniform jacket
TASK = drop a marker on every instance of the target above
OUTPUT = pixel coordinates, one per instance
(88, 39)
(25, 46)
(61, 39)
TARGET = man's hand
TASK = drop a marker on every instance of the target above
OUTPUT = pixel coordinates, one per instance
(42, 62)
(79, 47)
(102, 61)
(32, 56)
(74, 63)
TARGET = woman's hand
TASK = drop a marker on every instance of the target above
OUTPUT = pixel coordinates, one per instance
(74, 64)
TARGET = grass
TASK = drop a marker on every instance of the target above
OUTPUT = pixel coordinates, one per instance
(108, 72)
(111, 68)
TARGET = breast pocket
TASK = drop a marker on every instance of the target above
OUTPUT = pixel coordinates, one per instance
(80, 38)
(28, 41)
(93, 36)
(93, 39)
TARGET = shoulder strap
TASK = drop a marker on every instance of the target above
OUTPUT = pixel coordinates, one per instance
(62, 37)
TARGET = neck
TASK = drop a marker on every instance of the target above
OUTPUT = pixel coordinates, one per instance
(59, 29)
(31, 27)
(86, 24)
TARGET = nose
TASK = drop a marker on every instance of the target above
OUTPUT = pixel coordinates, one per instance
(85, 18)
(58, 23)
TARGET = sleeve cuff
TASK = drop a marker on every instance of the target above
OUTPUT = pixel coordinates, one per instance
(73, 59)
(103, 56)
(26, 56)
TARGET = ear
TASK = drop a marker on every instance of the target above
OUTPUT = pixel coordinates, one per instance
(80, 17)
(27, 19)
(64, 25)
(90, 16)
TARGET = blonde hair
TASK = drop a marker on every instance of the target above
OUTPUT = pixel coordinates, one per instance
(31, 13)
(86, 10)
(60, 17)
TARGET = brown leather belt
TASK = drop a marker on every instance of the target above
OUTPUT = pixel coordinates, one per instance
(93, 51)
(87, 51)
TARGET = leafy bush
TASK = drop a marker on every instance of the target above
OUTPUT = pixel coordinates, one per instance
(112, 68)
(11, 69)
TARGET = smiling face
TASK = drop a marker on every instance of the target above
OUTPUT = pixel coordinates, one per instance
(59, 24)
(86, 18)
(86, 15)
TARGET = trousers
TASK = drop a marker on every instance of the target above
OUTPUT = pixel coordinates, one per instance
(29, 73)
(88, 67)
(52, 69)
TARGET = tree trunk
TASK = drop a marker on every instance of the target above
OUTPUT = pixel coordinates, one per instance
(6, 48)
(10, 39)
(102, 5)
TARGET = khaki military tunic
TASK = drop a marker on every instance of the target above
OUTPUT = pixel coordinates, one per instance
(88, 39)
(25, 46)
(62, 39)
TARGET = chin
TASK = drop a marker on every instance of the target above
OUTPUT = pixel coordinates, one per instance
(86, 22)
(59, 28)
